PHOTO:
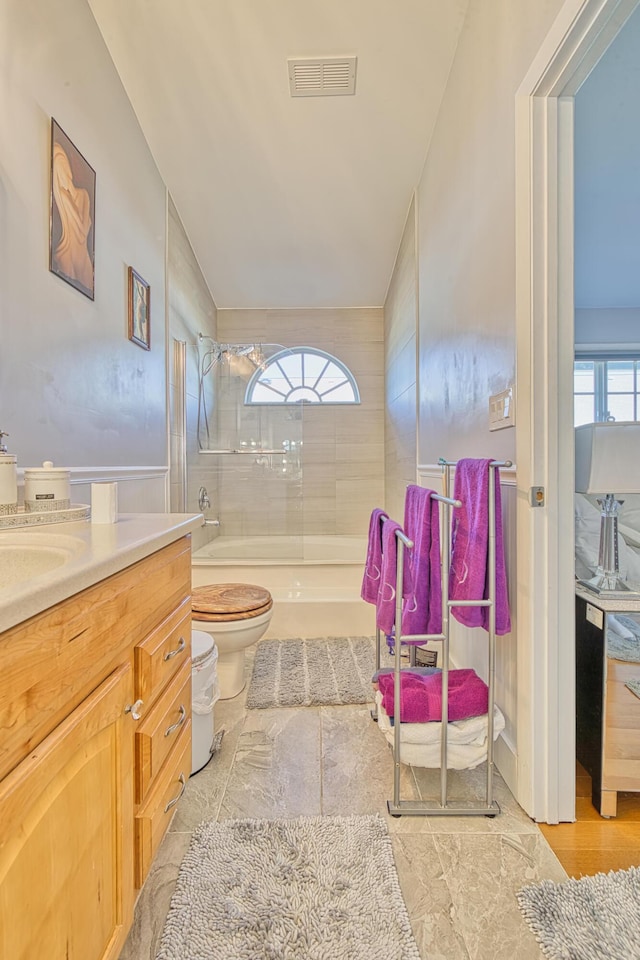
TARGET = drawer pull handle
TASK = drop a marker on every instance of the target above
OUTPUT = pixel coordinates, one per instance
(134, 709)
(183, 787)
(178, 723)
(174, 653)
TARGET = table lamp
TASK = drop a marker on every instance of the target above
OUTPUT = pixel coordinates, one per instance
(608, 464)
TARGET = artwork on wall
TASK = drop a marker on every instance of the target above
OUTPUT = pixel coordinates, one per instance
(72, 216)
(139, 316)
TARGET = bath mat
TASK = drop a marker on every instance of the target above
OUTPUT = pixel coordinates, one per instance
(303, 673)
(313, 887)
(594, 918)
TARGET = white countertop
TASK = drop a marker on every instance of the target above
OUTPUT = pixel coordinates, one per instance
(98, 551)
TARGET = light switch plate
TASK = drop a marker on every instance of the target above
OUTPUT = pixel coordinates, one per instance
(502, 410)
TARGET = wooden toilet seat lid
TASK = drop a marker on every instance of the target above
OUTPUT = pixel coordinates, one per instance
(230, 599)
(198, 617)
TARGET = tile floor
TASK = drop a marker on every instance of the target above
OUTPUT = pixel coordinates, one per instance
(458, 874)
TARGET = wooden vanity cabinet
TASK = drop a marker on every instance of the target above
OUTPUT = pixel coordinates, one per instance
(69, 853)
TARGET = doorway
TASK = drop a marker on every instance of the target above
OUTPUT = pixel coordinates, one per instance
(582, 32)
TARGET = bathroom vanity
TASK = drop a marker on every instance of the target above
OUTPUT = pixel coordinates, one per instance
(95, 733)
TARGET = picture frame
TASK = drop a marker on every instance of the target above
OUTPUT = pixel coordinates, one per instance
(139, 310)
(72, 214)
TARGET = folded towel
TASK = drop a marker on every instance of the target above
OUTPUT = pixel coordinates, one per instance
(469, 571)
(416, 671)
(386, 600)
(371, 579)
(422, 612)
(421, 697)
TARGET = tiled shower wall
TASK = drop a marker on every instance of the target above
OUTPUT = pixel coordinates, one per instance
(191, 311)
(400, 323)
(343, 446)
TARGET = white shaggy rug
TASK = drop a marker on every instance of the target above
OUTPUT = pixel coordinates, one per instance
(311, 888)
(302, 673)
(594, 918)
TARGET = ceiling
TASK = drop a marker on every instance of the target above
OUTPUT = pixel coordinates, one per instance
(287, 201)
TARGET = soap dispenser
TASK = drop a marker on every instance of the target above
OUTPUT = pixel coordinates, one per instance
(8, 479)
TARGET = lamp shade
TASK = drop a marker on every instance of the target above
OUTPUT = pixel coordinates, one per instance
(608, 457)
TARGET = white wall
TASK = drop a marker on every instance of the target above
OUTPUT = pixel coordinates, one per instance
(400, 352)
(607, 185)
(466, 274)
(73, 388)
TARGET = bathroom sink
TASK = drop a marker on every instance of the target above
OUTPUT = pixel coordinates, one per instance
(24, 556)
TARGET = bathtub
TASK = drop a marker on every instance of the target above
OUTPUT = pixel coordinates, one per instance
(315, 581)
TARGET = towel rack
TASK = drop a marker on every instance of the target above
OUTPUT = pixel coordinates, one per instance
(445, 807)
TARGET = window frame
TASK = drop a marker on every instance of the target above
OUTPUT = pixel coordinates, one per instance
(601, 391)
(257, 378)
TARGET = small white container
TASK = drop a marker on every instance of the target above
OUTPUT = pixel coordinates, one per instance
(46, 488)
(8, 484)
(104, 502)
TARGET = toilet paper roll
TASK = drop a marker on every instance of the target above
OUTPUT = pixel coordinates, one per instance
(104, 502)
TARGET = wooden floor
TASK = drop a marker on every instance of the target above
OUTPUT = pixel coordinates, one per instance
(594, 844)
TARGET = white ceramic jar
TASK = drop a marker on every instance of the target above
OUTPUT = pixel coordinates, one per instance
(46, 488)
(8, 484)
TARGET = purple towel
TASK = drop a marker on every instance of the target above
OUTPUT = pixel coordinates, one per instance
(469, 571)
(422, 612)
(371, 579)
(386, 601)
(421, 697)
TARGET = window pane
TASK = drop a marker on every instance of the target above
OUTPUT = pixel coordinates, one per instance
(262, 394)
(583, 376)
(620, 406)
(620, 376)
(582, 410)
(314, 364)
(302, 393)
(342, 394)
(292, 366)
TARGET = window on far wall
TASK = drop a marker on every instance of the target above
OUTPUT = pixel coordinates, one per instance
(606, 389)
(303, 375)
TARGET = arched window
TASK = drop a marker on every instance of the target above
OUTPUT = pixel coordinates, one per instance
(302, 375)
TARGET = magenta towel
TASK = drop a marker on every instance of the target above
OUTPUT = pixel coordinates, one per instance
(386, 601)
(469, 571)
(372, 567)
(422, 611)
(421, 697)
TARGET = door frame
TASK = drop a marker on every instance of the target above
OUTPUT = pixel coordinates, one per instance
(580, 35)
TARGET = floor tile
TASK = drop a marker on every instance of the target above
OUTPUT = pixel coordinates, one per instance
(483, 873)
(276, 771)
(205, 789)
(427, 897)
(153, 903)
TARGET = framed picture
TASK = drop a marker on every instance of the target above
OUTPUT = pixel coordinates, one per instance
(72, 216)
(139, 316)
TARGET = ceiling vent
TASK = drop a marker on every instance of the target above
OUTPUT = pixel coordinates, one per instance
(326, 77)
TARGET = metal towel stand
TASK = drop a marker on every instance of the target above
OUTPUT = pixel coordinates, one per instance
(445, 807)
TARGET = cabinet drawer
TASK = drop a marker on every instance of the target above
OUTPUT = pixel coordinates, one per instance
(621, 761)
(160, 728)
(159, 657)
(154, 816)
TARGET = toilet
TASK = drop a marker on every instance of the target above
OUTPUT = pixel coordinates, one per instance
(236, 615)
